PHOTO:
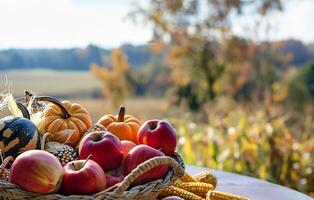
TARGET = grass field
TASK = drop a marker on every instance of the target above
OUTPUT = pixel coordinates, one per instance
(80, 87)
(60, 83)
(144, 108)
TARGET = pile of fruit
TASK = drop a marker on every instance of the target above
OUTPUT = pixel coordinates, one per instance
(58, 149)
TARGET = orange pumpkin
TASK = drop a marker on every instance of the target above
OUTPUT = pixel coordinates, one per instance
(66, 121)
(125, 127)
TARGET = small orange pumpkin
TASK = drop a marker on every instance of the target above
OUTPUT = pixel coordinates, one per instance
(125, 127)
(65, 120)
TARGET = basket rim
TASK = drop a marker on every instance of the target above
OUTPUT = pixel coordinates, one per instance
(170, 175)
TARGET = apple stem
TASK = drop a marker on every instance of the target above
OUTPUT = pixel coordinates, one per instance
(78, 165)
(121, 114)
(87, 159)
(73, 164)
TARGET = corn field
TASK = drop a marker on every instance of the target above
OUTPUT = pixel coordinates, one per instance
(250, 142)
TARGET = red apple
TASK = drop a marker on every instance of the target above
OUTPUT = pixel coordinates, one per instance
(127, 146)
(104, 148)
(83, 177)
(112, 180)
(37, 171)
(158, 134)
(140, 154)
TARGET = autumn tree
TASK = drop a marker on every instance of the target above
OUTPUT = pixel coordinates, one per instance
(114, 79)
(193, 31)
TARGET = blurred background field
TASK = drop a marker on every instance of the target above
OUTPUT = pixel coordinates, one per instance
(80, 87)
(232, 76)
(66, 83)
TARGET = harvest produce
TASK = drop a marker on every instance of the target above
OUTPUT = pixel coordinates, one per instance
(125, 127)
(63, 152)
(206, 177)
(172, 190)
(138, 155)
(83, 177)
(197, 188)
(116, 154)
(94, 128)
(127, 146)
(113, 180)
(4, 171)
(65, 120)
(188, 178)
(158, 134)
(37, 171)
(188, 187)
(216, 195)
(104, 148)
(18, 134)
(203, 177)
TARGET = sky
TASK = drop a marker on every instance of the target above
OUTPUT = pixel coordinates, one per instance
(77, 23)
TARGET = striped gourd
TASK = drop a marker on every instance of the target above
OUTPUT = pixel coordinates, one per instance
(18, 134)
(197, 188)
(216, 195)
(175, 191)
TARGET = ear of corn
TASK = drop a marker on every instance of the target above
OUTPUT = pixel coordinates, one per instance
(197, 188)
(216, 195)
(187, 178)
(175, 191)
(206, 177)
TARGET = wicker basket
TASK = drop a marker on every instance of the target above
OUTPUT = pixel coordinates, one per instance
(148, 191)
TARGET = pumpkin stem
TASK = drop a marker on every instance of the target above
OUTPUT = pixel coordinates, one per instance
(43, 140)
(64, 111)
(27, 96)
(121, 114)
(24, 110)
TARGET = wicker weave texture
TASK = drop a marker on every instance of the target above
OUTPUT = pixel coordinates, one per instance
(148, 191)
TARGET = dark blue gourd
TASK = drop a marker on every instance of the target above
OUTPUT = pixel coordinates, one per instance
(18, 134)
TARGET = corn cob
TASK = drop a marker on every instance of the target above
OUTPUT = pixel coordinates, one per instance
(215, 195)
(199, 189)
(187, 178)
(175, 191)
(206, 177)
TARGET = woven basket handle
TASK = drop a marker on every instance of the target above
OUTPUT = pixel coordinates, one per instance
(145, 167)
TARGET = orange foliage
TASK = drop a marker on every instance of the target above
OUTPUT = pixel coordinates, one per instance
(114, 80)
